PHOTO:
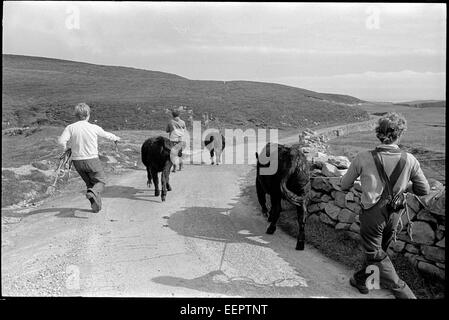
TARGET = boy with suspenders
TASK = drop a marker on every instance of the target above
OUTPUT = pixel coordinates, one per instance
(386, 173)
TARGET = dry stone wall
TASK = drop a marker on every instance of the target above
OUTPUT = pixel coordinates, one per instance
(340, 209)
(342, 130)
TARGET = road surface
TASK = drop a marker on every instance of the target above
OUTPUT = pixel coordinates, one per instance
(207, 240)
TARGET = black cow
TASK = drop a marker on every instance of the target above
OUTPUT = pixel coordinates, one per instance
(215, 146)
(155, 154)
(291, 182)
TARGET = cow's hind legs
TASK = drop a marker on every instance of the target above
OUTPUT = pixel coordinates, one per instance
(156, 183)
(274, 214)
(212, 157)
(261, 197)
(301, 212)
(168, 183)
(164, 180)
(149, 177)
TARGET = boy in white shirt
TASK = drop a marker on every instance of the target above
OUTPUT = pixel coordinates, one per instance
(82, 138)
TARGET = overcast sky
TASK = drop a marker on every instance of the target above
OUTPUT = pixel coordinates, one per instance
(377, 52)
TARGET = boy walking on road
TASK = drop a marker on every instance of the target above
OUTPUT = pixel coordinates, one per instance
(176, 130)
(82, 138)
(385, 173)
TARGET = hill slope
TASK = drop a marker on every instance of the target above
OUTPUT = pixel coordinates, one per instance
(43, 91)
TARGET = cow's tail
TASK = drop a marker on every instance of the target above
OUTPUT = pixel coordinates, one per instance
(257, 166)
(299, 164)
(207, 142)
(142, 156)
(223, 142)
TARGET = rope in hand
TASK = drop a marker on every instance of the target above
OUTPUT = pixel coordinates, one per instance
(64, 165)
(401, 224)
(410, 222)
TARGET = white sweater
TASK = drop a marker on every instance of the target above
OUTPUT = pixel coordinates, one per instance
(82, 137)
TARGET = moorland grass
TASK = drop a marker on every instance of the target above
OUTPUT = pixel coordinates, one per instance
(41, 91)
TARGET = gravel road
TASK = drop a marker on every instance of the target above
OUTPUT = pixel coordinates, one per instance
(207, 240)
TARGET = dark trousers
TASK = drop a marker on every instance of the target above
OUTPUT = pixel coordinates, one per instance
(377, 230)
(91, 171)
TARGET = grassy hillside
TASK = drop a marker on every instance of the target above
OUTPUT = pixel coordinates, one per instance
(43, 91)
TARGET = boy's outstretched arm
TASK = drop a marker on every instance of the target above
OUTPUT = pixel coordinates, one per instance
(351, 175)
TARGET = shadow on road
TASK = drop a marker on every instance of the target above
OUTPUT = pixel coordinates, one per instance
(109, 192)
(60, 212)
(213, 224)
(130, 193)
(218, 282)
(224, 225)
(218, 224)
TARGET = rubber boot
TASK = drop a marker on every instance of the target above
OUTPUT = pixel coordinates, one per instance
(358, 280)
(390, 279)
(95, 201)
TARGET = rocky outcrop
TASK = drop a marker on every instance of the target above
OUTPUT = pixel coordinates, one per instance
(340, 209)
